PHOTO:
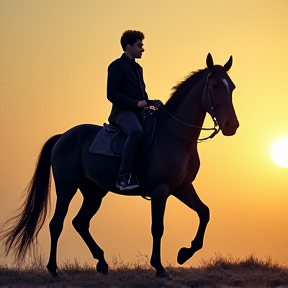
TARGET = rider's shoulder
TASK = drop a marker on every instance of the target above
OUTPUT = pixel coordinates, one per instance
(117, 63)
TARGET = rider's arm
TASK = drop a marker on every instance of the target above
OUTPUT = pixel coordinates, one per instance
(113, 88)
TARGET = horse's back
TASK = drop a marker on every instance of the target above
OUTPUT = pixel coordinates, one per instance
(83, 130)
(83, 133)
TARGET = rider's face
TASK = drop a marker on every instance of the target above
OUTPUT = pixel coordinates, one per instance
(135, 50)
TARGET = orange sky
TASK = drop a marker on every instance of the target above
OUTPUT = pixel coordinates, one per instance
(53, 70)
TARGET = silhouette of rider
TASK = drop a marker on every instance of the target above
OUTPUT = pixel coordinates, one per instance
(126, 91)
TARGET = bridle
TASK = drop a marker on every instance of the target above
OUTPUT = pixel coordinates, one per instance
(216, 127)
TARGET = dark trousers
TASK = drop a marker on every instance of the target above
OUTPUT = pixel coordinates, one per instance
(129, 122)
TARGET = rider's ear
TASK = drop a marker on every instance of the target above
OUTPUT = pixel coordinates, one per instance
(209, 62)
(228, 65)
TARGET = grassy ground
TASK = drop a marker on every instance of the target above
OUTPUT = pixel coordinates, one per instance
(217, 272)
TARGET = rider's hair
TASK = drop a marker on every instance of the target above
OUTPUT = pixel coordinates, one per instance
(130, 37)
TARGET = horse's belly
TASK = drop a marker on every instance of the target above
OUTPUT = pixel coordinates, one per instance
(102, 170)
(171, 170)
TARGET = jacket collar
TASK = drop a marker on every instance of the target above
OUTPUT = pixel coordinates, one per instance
(130, 61)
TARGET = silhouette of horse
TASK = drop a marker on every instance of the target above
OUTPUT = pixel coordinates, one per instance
(168, 168)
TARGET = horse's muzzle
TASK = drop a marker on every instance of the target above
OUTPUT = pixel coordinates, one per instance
(227, 119)
(230, 128)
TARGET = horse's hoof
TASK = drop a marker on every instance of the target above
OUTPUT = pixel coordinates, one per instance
(183, 255)
(102, 267)
(52, 270)
(54, 274)
(162, 274)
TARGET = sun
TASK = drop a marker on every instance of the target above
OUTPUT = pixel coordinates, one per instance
(279, 153)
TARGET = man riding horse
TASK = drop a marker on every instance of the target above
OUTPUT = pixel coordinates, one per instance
(168, 169)
(126, 91)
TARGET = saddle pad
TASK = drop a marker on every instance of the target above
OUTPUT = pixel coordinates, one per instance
(108, 143)
(110, 140)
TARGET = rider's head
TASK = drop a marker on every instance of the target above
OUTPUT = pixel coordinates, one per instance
(131, 42)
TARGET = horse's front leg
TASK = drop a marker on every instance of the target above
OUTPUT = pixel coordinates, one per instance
(158, 204)
(187, 194)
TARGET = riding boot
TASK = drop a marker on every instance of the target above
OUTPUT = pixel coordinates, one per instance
(128, 121)
(125, 180)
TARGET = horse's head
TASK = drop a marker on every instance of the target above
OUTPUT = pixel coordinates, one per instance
(217, 96)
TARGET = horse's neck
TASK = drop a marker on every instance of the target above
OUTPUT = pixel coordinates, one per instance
(189, 111)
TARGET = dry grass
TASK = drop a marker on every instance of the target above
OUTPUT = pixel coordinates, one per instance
(217, 272)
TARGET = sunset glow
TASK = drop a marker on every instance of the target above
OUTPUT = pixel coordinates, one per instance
(53, 71)
(279, 153)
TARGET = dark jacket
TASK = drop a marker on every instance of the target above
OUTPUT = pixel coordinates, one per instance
(125, 86)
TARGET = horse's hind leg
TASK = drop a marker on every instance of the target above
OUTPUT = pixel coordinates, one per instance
(93, 195)
(64, 195)
(188, 196)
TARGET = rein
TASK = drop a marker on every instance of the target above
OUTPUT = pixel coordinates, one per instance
(215, 129)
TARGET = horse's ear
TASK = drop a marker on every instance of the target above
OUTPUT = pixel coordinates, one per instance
(209, 61)
(228, 65)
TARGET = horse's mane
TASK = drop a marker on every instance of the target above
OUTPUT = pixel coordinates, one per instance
(192, 79)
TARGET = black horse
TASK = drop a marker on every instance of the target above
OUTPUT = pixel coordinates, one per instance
(168, 168)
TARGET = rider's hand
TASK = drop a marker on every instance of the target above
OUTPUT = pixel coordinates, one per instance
(157, 103)
(142, 104)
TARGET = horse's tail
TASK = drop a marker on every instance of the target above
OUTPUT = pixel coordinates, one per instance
(27, 224)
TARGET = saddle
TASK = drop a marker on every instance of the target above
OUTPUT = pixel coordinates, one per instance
(110, 139)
